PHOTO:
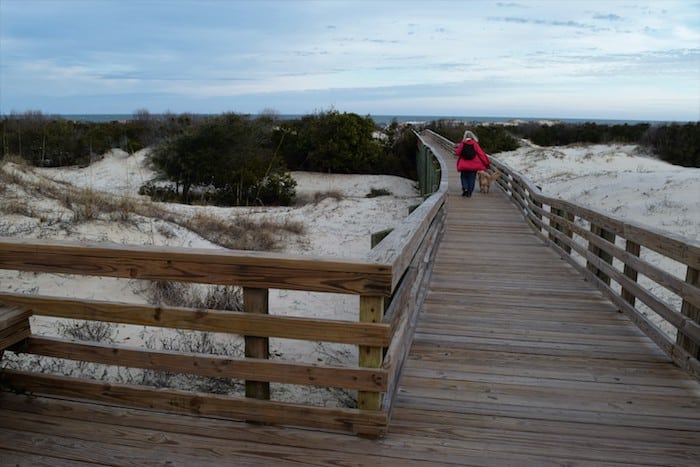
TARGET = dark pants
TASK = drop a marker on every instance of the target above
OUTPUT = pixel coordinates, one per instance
(468, 179)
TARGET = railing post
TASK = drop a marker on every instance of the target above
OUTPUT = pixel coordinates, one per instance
(371, 311)
(555, 225)
(539, 205)
(599, 252)
(633, 249)
(256, 301)
(377, 237)
(561, 228)
(14, 326)
(692, 277)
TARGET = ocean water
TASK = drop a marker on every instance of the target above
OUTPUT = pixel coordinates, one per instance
(381, 119)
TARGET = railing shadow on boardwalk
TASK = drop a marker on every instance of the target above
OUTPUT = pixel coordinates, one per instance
(437, 413)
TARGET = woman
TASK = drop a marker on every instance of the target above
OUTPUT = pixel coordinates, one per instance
(470, 159)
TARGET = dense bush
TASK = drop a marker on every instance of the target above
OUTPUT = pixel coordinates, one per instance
(347, 143)
(276, 188)
(330, 142)
(492, 138)
(53, 142)
(561, 134)
(677, 144)
(399, 157)
(228, 156)
(674, 143)
(227, 159)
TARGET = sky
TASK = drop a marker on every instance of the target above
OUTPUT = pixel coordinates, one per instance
(612, 59)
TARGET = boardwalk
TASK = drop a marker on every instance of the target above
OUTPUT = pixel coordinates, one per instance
(516, 361)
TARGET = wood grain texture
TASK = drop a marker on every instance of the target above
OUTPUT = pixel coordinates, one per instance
(186, 402)
(517, 359)
(242, 268)
(256, 301)
(216, 366)
(346, 332)
(371, 311)
(14, 326)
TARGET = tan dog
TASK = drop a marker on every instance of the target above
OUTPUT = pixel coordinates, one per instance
(486, 180)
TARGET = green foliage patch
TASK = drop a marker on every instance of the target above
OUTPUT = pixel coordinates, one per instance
(674, 143)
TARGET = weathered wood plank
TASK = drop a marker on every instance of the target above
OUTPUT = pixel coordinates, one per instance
(14, 325)
(370, 422)
(311, 447)
(408, 300)
(589, 443)
(215, 366)
(517, 360)
(630, 258)
(225, 267)
(256, 302)
(682, 249)
(692, 311)
(371, 311)
(345, 332)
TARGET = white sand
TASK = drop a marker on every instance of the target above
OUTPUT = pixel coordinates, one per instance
(339, 226)
(617, 179)
(623, 181)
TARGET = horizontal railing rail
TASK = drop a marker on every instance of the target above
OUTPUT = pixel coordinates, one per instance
(651, 275)
(390, 283)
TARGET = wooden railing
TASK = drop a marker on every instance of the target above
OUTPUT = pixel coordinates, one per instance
(629, 262)
(390, 283)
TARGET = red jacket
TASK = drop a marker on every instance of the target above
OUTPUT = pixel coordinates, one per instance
(480, 162)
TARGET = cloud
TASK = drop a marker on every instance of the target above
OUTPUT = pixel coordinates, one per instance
(360, 54)
(607, 17)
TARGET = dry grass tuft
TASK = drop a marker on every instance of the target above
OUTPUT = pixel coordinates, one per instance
(95, 331)
(16, 205)
(214, 297)
(317, 197)
(242, 233)
(376, 192)
(88, 204)
(333, 194)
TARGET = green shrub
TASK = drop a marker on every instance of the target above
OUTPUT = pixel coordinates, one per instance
(492, 138)
(330, 142)
(677, 144)
(277, 188)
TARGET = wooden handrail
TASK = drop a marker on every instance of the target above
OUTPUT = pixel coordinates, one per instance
(612, 252)
(199, 265)
(387, 281)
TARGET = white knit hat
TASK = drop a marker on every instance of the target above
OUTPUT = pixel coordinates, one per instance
(469, 134)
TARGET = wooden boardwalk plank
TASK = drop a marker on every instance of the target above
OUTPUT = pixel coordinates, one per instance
(516, 360)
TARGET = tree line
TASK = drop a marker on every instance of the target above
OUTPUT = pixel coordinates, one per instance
(674, 143)
(227, 159)
(236, 159)
(47, 141)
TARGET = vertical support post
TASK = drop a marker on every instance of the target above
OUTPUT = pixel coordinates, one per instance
(599, 252)
(421, 156)
(256, 301)
(568, 231)
(561, 228)
(371, 311)
(692, 277)
(633, 249)
(14, 326)
(555, 225)
(539, 205)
